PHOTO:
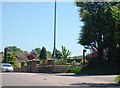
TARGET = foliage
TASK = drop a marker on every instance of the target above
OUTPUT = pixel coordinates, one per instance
(101, 31)
(43, 62)
(13, 49)
(58, 54)
(19, 53)
(77, 57)
(86, 62)
(99, 70)
(65, 53)
(11, 58)
(101, 26)
(68, 63)
(115, 10)
(49, 55)
(73, 69)
(60, 62)
(117, 79)
(38, 50)
(43, 54)
(31, 55)
(96, 17)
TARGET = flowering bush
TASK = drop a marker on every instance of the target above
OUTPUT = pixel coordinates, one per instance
(31, 55)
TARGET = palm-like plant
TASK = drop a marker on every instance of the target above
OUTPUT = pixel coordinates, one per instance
(65, 53)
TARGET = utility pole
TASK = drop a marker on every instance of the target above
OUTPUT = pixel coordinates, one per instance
(54, 49)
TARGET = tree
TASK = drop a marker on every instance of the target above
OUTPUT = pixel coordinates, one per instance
(32, 55)
(13, 49)
(65, 53)
(58, 54)
(99, 27)
(115, 10)
(38, 50)
(19, 53)
(43, 54)
(11, 58)
(49, 55)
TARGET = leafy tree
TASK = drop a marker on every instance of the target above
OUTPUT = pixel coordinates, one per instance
(116, 17)
(43, 54)
(13, 49)
(99, 27)
(49, 55)
(65, 53)
(19, 53)
(11, 58)
(58, 54)
(38, 50)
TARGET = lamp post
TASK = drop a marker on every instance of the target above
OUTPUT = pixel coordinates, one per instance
(54, 49)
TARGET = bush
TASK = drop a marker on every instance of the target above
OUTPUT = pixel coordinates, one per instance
(0, 61)
(68, 63)
(117, 79)
(11, 59)
(60, 62)
(86, 62)
(74, 69)
(43, 62)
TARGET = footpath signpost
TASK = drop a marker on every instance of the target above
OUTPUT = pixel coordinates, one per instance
(84, 57)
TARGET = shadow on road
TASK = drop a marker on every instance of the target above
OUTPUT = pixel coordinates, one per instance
(76, 75)
(97, 84)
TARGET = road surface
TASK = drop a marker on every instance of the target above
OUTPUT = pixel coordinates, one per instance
(60, 79)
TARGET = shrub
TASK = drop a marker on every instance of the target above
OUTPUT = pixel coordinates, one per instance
(117, 79)
(11, 59)
(60, 62)
(74, 69)
(86, 62)
(68, 63)
(43, 62)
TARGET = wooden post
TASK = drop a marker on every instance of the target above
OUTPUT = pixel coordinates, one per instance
(84, 57)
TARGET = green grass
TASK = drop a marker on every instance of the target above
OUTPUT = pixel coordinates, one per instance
(117, 79)
(74, 69)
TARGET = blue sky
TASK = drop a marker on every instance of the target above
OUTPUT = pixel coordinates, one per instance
(28, 25)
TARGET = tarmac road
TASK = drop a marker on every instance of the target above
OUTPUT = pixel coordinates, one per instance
(60, 79)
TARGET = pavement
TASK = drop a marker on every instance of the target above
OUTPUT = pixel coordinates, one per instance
(59, 79)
